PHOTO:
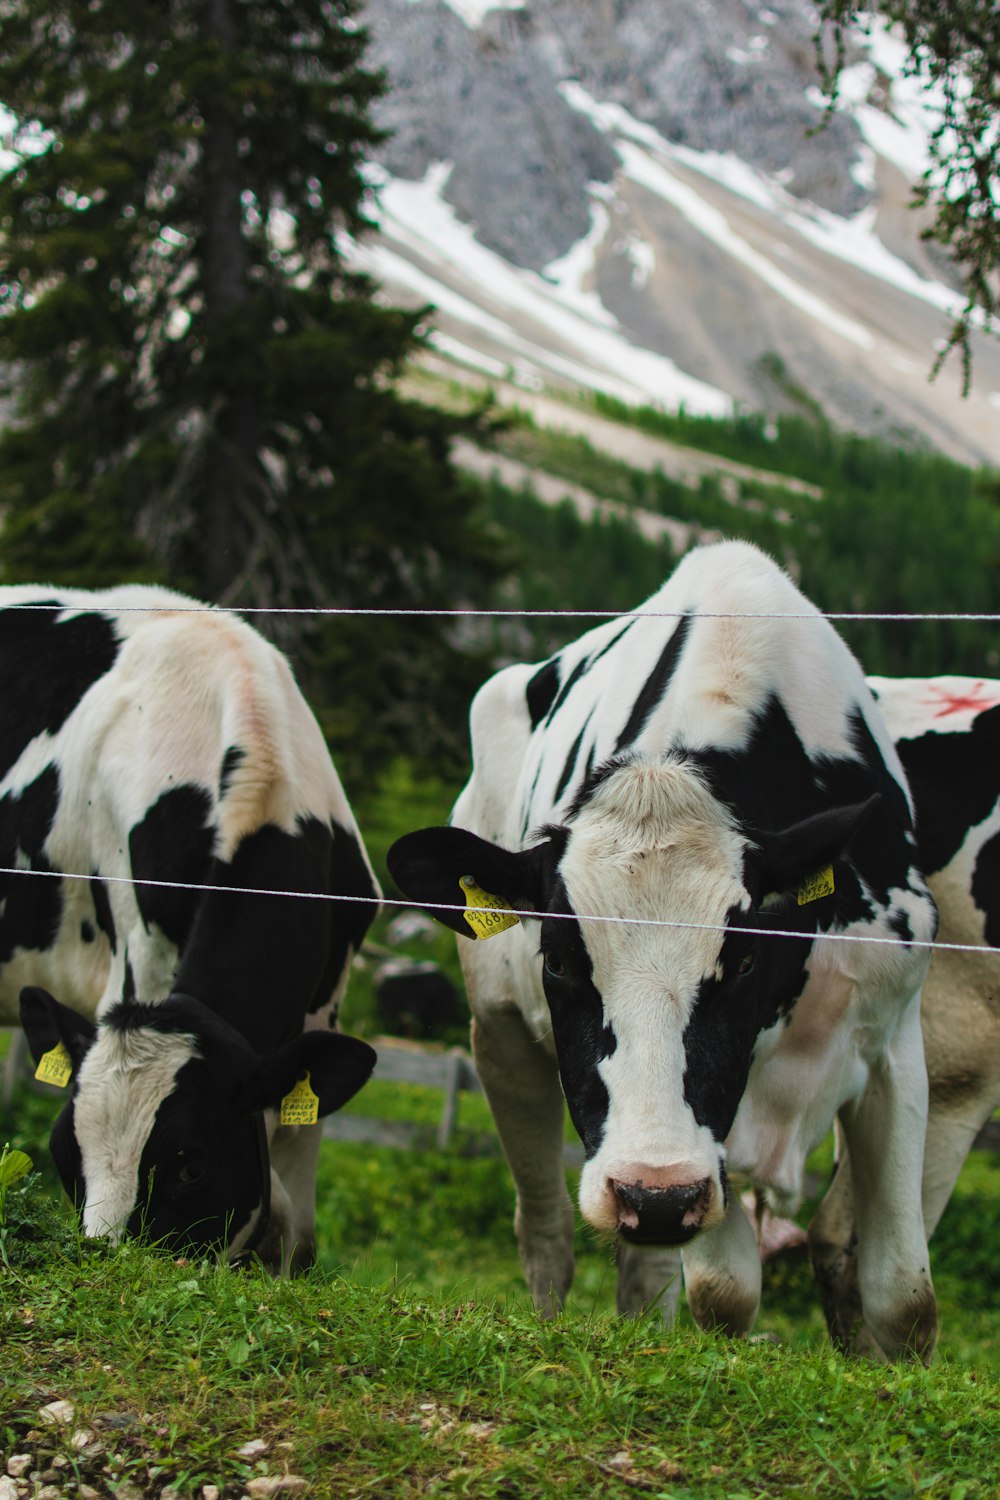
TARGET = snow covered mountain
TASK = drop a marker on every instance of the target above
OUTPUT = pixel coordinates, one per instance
(633, 196)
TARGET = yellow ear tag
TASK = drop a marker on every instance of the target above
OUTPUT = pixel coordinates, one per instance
(300, 1105)
(55, 1067)
(486, 924)
(816, 887)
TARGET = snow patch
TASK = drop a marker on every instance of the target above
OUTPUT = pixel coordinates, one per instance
(473, 11)
(577, 338)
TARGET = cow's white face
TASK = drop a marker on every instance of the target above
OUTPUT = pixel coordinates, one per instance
(651, 843)
(654, 1025)
(124, 1080)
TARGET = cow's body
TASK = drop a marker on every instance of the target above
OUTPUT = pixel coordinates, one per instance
(692, 770)
(145, 740)
(947, 733)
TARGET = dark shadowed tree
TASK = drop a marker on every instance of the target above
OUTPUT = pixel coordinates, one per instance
(954, 47)
(201, 390)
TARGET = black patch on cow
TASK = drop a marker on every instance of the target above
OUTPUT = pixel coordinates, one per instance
(729, 1014)
(87, 932)
(541, 691)
(173, 843)
(593, 660)
(46, 666)
(574, 677)
(200, 1177)
(986, 888)
(31, 908)
(582, 1038)
(264, 961)
(656, 685)
(953, 779)
(102, 911)
(570, 765)
(230, 762)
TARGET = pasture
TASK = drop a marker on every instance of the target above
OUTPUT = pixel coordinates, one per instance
(410, 1362)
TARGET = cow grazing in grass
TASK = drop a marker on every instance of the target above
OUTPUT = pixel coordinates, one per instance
(947, 733)
(144, 741)
(710, 767)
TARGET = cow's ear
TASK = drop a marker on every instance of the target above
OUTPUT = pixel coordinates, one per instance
(792, 854)
(430, 866)
(337, 1065)
(47, 1023)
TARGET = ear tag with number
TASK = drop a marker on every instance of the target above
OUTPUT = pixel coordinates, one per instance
(56, 1066)
(816, 887)
(486, 924)
(300, 1105)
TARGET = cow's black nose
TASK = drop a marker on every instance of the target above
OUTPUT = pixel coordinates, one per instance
(661, 1216)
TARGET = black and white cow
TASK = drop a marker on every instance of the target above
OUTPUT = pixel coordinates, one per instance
(947, 733)
(144, 741)
(702, 774)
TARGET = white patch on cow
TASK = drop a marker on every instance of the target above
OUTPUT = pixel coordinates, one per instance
(652, 843)
(123, 1080)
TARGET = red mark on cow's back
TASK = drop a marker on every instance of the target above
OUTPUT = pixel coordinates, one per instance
(974, 700)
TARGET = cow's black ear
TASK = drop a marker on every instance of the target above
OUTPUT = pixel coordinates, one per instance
(47, 1022)
(338, 1066)
(791, 854)
(429, 865)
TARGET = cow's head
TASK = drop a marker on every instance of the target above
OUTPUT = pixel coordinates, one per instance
(164, 1133)
(654, 1025)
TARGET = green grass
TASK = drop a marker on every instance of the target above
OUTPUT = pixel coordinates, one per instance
(410, 1363)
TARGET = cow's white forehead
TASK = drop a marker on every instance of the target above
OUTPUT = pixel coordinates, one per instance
(123, 1080)
(654, 843)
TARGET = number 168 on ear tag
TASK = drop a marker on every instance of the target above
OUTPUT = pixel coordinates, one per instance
(499, 914)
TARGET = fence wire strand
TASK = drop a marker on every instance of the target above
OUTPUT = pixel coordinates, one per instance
(241, 890)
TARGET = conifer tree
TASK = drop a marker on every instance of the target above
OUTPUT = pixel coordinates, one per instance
(198, 388)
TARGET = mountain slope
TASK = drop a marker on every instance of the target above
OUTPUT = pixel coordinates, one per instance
(631, 196)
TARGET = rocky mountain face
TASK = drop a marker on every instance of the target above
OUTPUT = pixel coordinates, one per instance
(636, 195)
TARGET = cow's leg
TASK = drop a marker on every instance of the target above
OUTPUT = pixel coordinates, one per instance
(294, 1158)
(521, 1082)
(885, 1131)
(648, 1276)
(722, 1273)
(833, 1245)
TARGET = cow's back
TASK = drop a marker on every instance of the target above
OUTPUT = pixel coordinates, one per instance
(164, 737)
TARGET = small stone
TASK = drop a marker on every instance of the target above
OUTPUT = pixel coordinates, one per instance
(49, 1492)
(275, 1484)
(621, 1460)
(128, 1491)
(8, 1488)
(82, 1438)
(87, 1492)
(18, 1464)
(210, 1492)
(59, 1413)
(253, 1449)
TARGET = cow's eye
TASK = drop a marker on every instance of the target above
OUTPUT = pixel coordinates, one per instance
(746, 964)
(191, 1169)
(555, 966)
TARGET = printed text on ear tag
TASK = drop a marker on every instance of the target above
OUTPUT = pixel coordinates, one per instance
(300, 1105)
(815, 887)
(486, 924)
(55, 1067)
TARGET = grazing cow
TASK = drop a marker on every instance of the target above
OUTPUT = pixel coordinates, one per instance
(152, 746)
(947, 733)
(700, 775)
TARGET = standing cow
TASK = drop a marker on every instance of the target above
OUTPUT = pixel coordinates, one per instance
(153, 747)
(947, 733)
(700, 775)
